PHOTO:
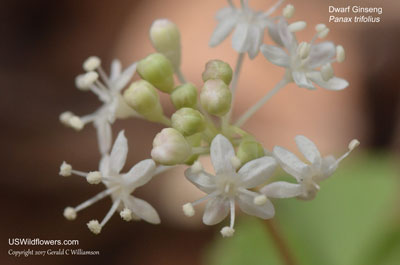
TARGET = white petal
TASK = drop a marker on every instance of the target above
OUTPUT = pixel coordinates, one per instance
(140, 174)
(286, 36)
(328, 167)
(274, 34)
(104, 134)
(321, 54)
(335, 83)
(104, 166)
(242, 37)
(226, 12)
(257, 171)
(282, 189)
(119, 153)
(291, 163)
(119, 83)
(201, 180)
(247, 205)
(222, 31)
(216, 211)
(115, 69)
(275, 55)
(142, 209)
(301, 80)
(221, 152)
(256, 41)
(309, 150)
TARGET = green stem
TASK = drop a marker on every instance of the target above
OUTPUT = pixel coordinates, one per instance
(234, 83)
(250, 112)
(280, 243)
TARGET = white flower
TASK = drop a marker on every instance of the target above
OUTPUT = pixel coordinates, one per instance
(249, 27)
(119, 187)
(308, 176)
(303, 60)
(109, 93)
(228, 187)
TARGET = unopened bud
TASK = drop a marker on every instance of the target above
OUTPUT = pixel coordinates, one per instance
(157, 70)
(170, 147)
(184, 96)
(217, 69)
(288, 11)
(144, 99)
(216, 97)
(188, 121)
(165, 37)
(249, 149)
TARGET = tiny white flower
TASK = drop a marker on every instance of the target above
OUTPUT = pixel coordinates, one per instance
(108, 90)
(309, 175)
(228, 187)
(303, 61)
(248, 26)
(119, 187)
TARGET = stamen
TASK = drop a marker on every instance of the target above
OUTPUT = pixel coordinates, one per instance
(65, 117)
(320, 27)
(260, 200)
(95, 199)
(340, 54)
(228, 231)
(94, 226)
(126, 214)
(104, 76)
(274, 7)
(303, 50)
(90, 78)
(231, 3)
(80, 82)
(70, 213)
(288, 11)
(91, 63)
(236, 163)
(110, 212)
(79, 173)
(188, 209)
(65, 169)
(353, 144)
(76, 123)
(327, 72)
(316, 185)
(94, 177)
(323, 33)
(297, 26)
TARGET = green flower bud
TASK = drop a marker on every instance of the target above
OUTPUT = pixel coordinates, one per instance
(158, 70)
(194, 141)
(188, 121)
(216, 97)
(144, 99)
(248, 150)
(184, 96)
(170, 147)
(217, 69)
(166, 39)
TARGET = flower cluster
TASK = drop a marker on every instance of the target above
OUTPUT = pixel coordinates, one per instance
(202, 125)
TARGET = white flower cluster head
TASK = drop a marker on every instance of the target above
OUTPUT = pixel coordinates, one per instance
(202, 125)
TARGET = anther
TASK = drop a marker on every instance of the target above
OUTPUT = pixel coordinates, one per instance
(288, 11)
(94, 226)
(260, 200)
(91, 63)
(297, 26)
(188, 209)
(227, 231)
(340, 54)
(70, 213)
(94, 177)
(126, 214)
(65, 169)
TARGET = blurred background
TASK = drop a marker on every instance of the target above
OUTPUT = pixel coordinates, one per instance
(354, 220)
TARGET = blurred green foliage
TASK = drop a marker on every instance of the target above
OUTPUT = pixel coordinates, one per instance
(354, 220)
